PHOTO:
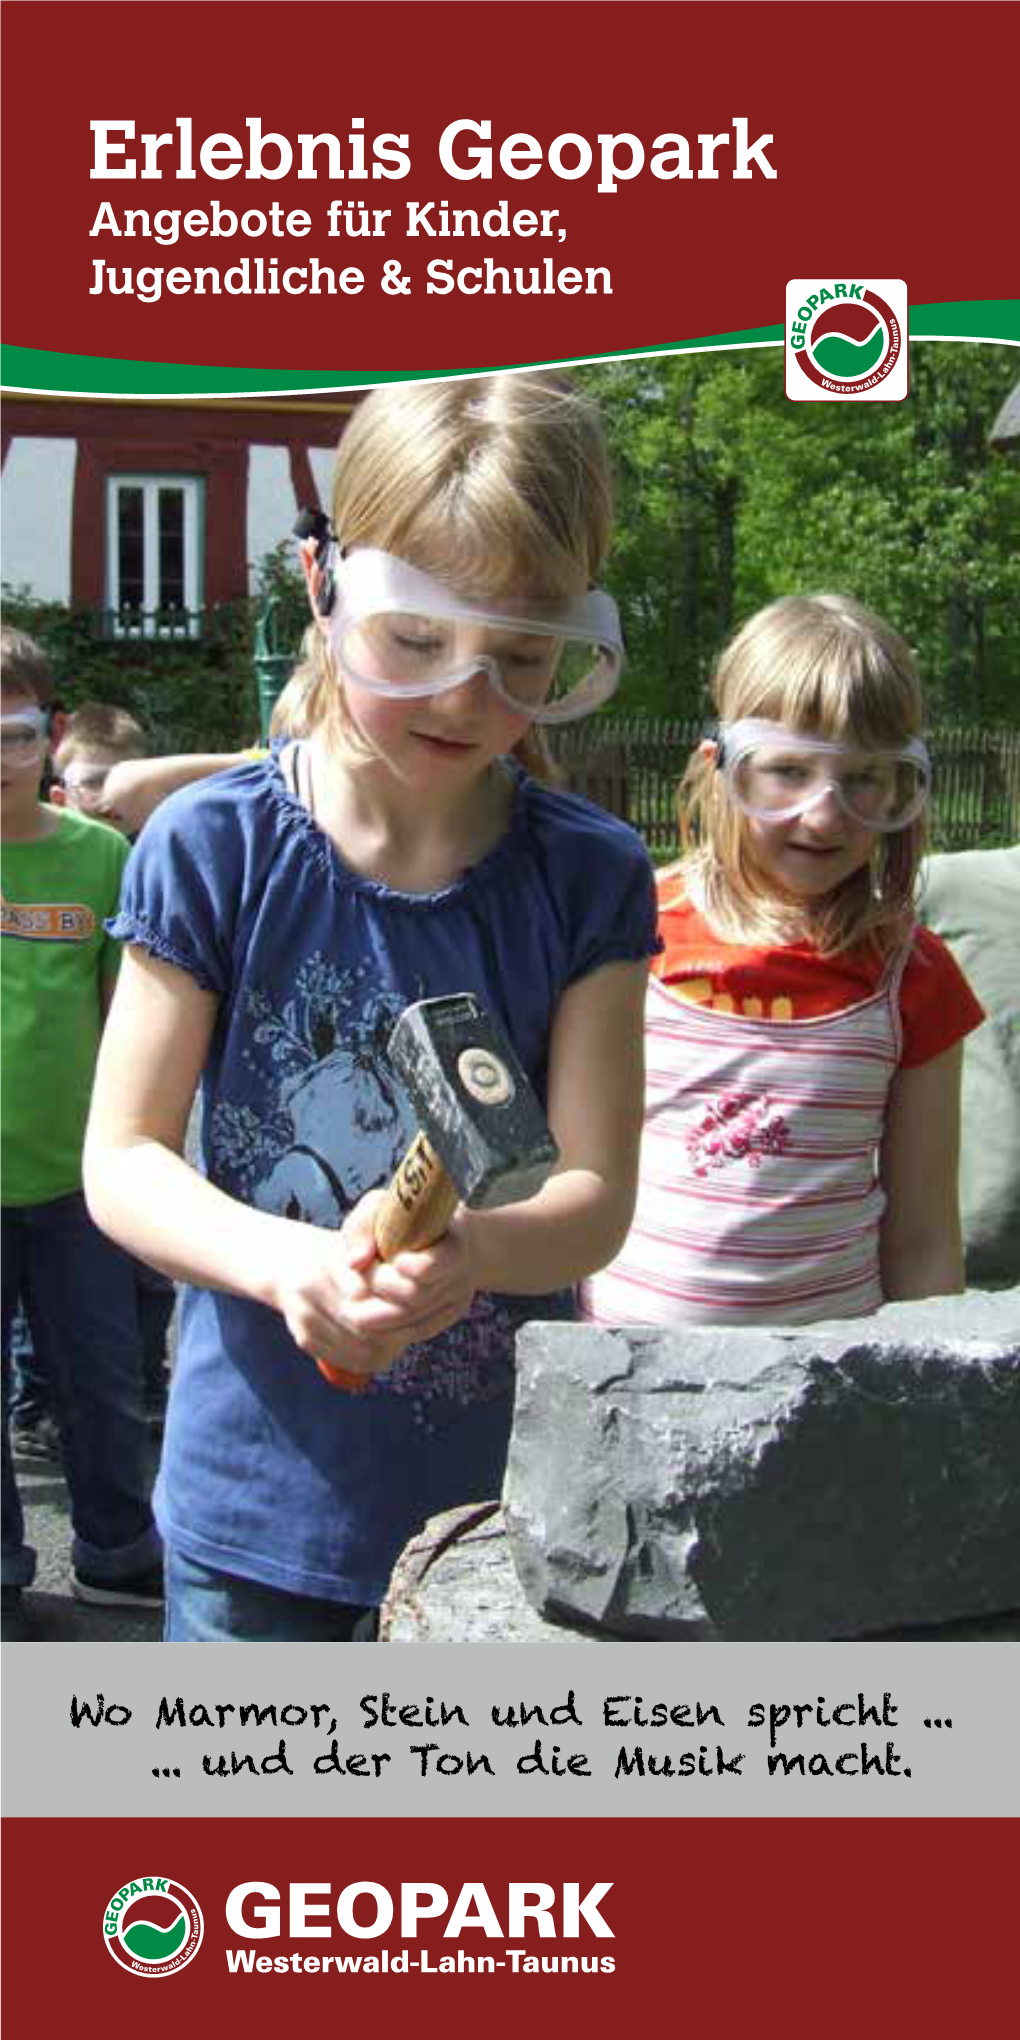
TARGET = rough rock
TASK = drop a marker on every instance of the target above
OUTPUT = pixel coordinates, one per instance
(455, 1583)
(826, 1481)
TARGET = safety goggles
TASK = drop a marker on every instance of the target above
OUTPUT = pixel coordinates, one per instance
(85, 784)
(400, 634)
(775, 774)
(22, 737)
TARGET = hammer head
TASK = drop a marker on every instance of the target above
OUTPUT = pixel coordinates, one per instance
(473, 1101)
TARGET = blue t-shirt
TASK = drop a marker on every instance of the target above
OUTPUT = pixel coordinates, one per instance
(267, 1472)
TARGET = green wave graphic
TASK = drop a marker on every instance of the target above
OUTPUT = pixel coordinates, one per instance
(839, 356)
(154, 1944)
(49, 372)
(37, 368)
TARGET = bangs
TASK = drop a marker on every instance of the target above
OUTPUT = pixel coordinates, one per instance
(825, 668)
(498, 486)
(488, 552)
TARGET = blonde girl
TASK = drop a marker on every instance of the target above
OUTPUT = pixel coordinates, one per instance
(279, 917)
(803, 1034)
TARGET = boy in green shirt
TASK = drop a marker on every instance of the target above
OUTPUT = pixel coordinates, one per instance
(61, 878)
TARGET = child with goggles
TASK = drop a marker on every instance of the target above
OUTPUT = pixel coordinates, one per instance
(22, 738)
(61, 878)
(95, 739)
(803, 1034)
(279, 916)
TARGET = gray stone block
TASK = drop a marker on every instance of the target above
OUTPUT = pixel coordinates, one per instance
(826, 1481)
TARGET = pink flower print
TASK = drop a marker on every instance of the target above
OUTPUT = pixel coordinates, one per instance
(736, 1127)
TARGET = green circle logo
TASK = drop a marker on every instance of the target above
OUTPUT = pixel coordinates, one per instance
(851, 341)
(153, 1926)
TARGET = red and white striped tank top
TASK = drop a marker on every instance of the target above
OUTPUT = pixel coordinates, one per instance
(759, 1200)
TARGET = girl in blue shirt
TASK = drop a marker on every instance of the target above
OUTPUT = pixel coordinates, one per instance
(278, 918)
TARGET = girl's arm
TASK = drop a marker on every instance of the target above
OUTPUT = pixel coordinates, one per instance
(581, 1218)
(921, 1242)
(142, 1191)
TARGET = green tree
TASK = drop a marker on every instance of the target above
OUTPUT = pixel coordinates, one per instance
(729, 495)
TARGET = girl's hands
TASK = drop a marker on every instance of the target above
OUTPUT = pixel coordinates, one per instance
(357, 1314)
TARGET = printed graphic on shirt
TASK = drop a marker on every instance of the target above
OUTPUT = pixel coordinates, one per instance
(700, 992)
(335, 1121)
(334, 1124)
(739, 1126)
(60, 921)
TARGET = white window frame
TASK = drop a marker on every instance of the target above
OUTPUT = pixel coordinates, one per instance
(148, 625)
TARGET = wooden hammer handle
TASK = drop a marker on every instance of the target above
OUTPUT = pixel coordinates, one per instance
(418, 1205)
(415, 1212)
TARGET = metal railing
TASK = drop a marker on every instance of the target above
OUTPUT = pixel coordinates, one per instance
(149, 626)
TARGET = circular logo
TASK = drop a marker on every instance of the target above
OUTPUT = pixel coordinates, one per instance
(850, 346)
(153, 1926)
(485, 1077)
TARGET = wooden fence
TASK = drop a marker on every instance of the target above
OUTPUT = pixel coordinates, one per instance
(632, 766)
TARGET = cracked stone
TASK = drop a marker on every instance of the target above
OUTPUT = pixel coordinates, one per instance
(826, 1481)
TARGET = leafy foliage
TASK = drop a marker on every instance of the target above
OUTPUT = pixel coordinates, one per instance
(729, 495)
(188, 693)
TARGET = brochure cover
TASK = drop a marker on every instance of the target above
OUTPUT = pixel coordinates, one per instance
(631, 321)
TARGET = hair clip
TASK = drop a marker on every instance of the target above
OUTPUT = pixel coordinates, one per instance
(314, 524)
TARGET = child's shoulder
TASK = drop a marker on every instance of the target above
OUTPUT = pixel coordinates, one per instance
(929, 952)
(931, 971)
(592, 872)
(239, 798)
(210, 839)
(87, 839)
(937, 1005)
(572, 824)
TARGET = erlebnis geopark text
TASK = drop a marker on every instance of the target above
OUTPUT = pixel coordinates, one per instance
(468, 153)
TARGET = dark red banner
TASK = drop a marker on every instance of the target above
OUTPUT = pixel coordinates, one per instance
(799, 1927)
(654, 172)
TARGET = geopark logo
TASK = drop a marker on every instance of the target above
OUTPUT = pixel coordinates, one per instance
(846, 341)
(153, 1926)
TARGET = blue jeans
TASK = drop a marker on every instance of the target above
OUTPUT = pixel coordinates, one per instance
(78, 1290)
(155, 1298)
(203, 1606)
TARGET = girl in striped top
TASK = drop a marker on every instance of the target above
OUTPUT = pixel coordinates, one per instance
(803, 1034)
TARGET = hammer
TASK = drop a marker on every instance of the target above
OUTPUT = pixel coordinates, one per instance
(482, 1137)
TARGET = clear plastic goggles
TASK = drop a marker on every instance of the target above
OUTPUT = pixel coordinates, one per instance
(775, 774)
(401, 634)
(85, 784)
(22, 737)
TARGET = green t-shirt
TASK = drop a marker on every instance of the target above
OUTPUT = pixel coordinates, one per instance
(56, 956)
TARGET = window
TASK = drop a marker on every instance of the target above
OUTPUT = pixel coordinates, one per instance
(154, 581)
